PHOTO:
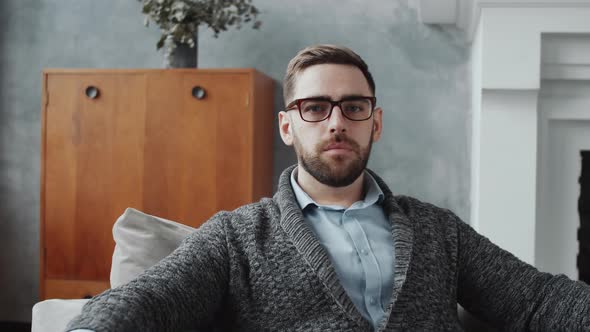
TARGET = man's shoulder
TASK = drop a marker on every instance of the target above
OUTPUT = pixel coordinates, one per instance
(410, 204)
(414, 207)
(251, 213)
(407, 204)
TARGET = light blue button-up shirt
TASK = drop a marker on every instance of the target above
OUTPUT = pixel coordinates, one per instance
(359, 242)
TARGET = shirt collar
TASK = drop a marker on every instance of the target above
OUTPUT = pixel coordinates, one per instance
(302, 197)
(373, 195)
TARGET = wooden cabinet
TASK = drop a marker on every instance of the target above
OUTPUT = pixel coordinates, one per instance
(181, 144)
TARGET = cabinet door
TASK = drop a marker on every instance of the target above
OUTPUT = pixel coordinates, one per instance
(197, 151)
(93, 169)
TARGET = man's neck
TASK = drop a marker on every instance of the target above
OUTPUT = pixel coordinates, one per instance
(327, 195)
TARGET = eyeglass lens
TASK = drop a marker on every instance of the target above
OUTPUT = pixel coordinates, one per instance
(354, 109)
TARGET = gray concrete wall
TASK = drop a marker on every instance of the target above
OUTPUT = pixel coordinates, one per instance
(421, 75)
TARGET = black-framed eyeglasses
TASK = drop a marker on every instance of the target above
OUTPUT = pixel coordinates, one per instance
(319, 109)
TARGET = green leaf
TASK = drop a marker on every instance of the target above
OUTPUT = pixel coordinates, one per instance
(160, 43)
(180, 19)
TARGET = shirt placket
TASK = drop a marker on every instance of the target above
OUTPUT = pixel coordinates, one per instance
(372, 272)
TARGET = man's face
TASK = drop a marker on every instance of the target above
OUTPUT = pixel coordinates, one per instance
(334, 151)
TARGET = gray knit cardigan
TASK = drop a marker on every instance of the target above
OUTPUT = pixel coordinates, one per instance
(260, 268)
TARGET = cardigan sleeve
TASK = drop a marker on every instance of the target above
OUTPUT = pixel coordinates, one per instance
(181, 292)
(512, 295)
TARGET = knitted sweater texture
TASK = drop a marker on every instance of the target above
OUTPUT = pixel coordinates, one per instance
(260, 268)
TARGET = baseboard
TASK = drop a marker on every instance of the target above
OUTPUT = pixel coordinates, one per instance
(15, 327)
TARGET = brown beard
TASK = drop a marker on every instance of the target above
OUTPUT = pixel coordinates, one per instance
(342, 175)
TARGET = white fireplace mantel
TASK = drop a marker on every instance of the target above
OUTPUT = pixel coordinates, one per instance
(466, 14)
(514, 45)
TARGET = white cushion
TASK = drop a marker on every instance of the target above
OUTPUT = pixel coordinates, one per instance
(142, 240)
(54, 315)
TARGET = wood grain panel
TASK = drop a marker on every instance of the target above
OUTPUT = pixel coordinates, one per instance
(94, 153)
(73, 289)
(146, 143)
(60, 167)
(263, 120)
(128, 130)
(92, 147)
(123, 71)
(197, 150)
(180, 149)
(234, 135)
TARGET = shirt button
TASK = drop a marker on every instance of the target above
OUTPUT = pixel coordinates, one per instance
(372, 301)
(364, 252)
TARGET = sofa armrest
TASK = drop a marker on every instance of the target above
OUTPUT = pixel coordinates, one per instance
(54, 315)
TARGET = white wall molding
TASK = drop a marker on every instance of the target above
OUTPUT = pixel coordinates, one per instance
(564, 130)
(565, 72)
(565, 100)
(466, 14)
(515, 44)
(506, 175)
(565, 57)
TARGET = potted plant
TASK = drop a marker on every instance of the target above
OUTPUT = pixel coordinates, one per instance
(179, 21)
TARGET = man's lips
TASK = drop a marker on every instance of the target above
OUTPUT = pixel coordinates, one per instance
(337, 146)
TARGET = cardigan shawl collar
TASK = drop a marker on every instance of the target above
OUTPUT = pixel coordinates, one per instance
(317, 258)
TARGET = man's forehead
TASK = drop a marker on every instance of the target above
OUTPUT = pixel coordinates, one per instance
(331, 80)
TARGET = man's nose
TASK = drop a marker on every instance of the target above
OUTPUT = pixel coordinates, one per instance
(337, 122)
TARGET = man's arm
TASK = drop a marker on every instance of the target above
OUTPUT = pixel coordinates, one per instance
(510, 294)
(182, 291)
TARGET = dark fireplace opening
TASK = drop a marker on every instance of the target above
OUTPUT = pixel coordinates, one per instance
(584, 211)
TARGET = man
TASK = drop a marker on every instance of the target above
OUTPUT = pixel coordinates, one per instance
(334, 249)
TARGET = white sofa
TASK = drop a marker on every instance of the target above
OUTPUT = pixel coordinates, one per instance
(142, 240)
(54, 315)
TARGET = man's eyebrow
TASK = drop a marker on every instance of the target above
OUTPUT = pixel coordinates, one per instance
(349, 96)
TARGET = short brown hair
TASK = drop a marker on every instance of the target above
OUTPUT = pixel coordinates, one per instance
(322, 54)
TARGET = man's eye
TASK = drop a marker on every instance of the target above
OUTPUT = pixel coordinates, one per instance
(314, 108)
(356, 107)
(353, 109)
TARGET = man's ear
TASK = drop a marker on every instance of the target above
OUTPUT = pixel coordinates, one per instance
(285, 128)
(377, 123)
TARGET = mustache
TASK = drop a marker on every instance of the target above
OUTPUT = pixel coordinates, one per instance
(342, 138)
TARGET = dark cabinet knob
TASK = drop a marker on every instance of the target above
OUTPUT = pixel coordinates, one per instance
(92, 92)
(199, 92)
